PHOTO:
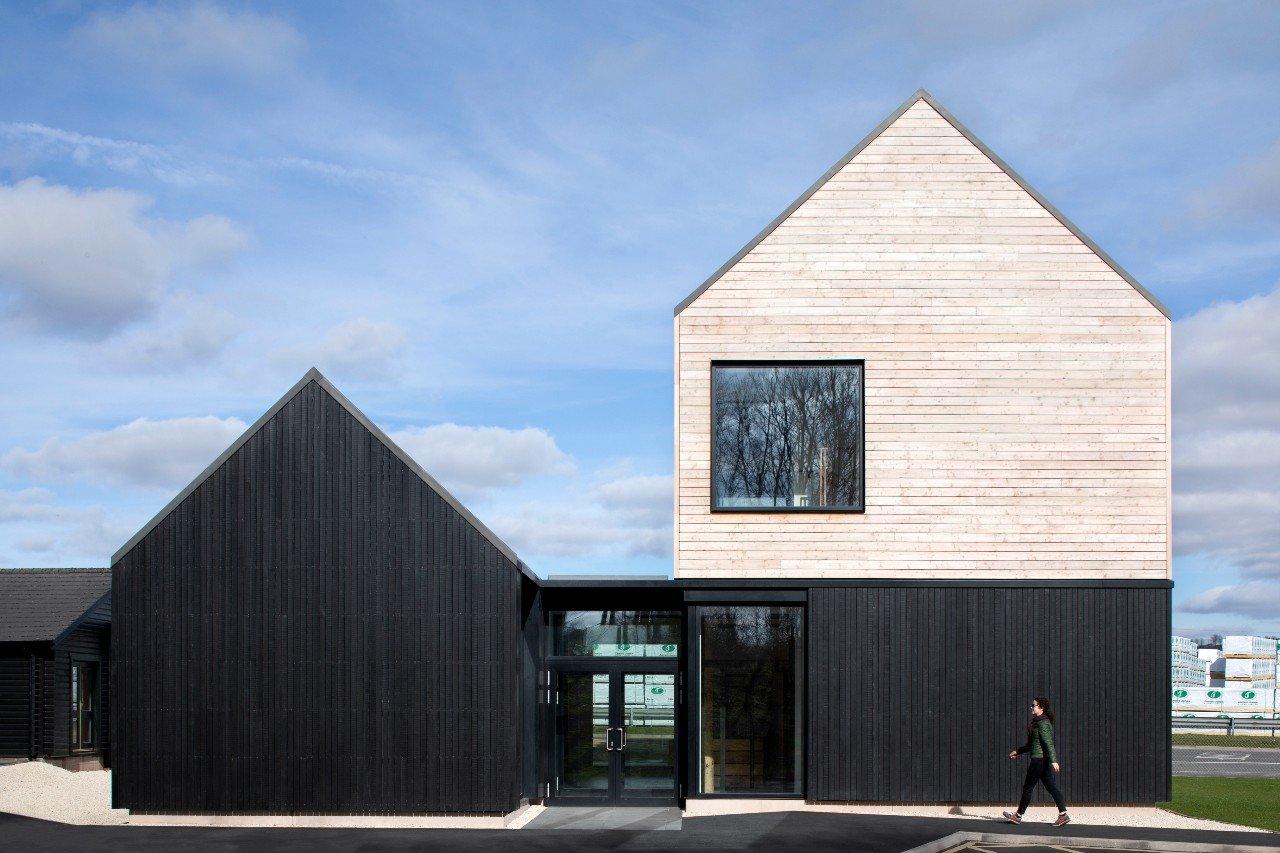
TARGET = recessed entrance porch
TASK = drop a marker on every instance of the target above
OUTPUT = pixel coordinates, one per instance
(648, 707)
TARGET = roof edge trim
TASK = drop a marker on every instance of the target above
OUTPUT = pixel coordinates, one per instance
(922, 95)
(79, 620)
(314, 375)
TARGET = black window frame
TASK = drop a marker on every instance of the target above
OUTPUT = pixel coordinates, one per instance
(76, 702)
(861, 508)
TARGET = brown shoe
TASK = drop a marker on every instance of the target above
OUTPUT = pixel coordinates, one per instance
(1063, 819)
(1012, 817)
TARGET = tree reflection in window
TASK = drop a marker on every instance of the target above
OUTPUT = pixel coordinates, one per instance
(788, 436)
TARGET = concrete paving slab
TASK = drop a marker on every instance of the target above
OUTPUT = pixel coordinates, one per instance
(599, 818)
(777, 831)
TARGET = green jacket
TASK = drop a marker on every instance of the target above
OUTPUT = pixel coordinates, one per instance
(1040, 740)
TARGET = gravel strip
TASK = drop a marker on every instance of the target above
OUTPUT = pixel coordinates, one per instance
(39, 790)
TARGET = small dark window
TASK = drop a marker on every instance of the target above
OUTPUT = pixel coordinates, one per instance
(787, 436)
(84, 702)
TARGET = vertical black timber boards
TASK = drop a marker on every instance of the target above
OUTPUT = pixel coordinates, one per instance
(531, 667)
(917, 694)
(88, 642)
(314, 629)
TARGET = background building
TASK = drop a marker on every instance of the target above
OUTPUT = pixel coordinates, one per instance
(55, 638)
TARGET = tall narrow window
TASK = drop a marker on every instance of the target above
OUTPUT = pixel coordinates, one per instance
(787, 436)
(751, 694)
(84, 696)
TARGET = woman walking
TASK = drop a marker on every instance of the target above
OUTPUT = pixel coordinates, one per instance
(1044, 762)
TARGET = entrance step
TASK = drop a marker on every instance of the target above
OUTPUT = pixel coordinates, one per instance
(607, 817)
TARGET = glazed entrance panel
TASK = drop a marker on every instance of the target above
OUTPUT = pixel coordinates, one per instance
(583, 751)
(614, 734)
(648, 752)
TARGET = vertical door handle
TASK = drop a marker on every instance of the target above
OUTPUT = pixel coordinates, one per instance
(608, 740)
(623, 733)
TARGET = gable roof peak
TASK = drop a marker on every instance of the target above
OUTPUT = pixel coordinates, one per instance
(314, 375)
(922, 94)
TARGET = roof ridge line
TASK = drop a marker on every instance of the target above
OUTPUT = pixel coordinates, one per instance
(422, 473)
(924, 95)
(314, 375)
(208, 470)
(49, 570)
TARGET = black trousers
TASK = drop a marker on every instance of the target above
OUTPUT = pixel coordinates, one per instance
(1040, 770)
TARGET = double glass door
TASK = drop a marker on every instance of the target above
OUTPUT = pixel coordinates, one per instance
(615, 733)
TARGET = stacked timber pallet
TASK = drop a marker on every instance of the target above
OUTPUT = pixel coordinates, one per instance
(1248, 662)
(1188, 670)
(1259, 703)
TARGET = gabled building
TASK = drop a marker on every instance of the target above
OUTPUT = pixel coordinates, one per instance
(55, 639)
(922, 475)
(316, 625)
(928, 398)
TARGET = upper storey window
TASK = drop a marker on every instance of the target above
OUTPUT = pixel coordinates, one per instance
(787, 436)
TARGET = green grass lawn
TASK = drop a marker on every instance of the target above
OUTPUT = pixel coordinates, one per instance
(1249, 802)
(1251, 741)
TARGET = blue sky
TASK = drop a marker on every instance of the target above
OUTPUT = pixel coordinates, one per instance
(476, 218)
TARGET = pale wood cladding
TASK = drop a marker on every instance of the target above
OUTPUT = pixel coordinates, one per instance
(1016, 385)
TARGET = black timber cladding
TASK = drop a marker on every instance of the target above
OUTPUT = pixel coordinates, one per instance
(314, 627)
(916, 694)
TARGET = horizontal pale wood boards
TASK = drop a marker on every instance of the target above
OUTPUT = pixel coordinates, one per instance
(1016, 384)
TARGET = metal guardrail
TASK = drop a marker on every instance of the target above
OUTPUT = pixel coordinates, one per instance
(1231, 747)
(1227, 725)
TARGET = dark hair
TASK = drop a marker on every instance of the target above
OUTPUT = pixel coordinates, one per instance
(1045, 709)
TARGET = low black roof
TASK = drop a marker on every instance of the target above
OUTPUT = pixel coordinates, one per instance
(38, 605)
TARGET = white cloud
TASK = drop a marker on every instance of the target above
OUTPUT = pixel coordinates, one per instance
(187, 331)
(1227, 434)
(542, 530)
(44, 532)
(199, 36)
(40, 543)
(87, 262)
(642, 498)
(1205, 630)
(1249, 193)
(26, 505)
(186, 167)
(121, 155)
(1259, 599)
(473, 461)
(161, 454)
(629, 516)
(359, 348)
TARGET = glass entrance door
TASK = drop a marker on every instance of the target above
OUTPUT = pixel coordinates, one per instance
(584, 736)
(648, 755)
(615, 735)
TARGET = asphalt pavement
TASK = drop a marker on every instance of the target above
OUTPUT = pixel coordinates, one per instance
(809, 831)
(1234, 761)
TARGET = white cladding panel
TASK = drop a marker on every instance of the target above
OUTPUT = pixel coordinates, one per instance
(1017, 387)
